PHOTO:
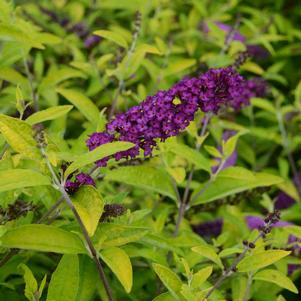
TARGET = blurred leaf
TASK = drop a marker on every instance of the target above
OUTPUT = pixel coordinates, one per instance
(98, 153)
(208, 251)
(48, 114)
(234, 180)
(112, 36)
(120, 264)
(170, 279)
(276, 277)
(64, 281)
(19, 136)
(145, 177)
(43, 238)
(201, 276)
(260, 260)
(82, 103)
(18, 178)
(31, 285)
(89, 205)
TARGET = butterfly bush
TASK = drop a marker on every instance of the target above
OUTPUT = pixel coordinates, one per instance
(169, 112)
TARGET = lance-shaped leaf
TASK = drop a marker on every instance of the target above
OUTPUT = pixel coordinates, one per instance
(145, 177)
(98, 153)
(82, 103)
(19, 136)
(112, 36)
(169, 278)
(48, 114)
(119, 262)
(276, 277)
(234, 180)
(18, 178)
(208, 252)
(89, 205)
(260, 260)
(43, 238)
(64, 281)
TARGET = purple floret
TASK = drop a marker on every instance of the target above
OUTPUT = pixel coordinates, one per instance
(169, 112)
(80, 180)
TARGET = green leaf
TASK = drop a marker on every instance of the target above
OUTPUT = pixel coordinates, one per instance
(19, 178)
(213, 151)
(48, 114)
(98, 153)
(208, 252)
(112, 36)
(170, 279)
(112, 235)
(239, 286)
(164, 297)
(87, 284)
(145, 177)
(120, 264)
(188, 294)
(234, 180)
(64, 281)
(294, 230)
(201, 276)
(263, 104)
(43, 238)
(82, 103)
(189, 154)
(13, 76)
(260, 260)
(178, 66)
(276, 277)
(89, 205)
(31, 285)
(19, 135)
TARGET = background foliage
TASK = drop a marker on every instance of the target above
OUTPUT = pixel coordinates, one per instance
(70, 66)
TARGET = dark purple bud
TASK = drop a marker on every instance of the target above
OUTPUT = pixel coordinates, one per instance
(209, 229)
(91, 41)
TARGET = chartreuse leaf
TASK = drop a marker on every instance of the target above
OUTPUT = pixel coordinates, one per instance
(201, 276)
(19, 135)
(89, 205)
(280, 298)
(187, 293)
(112, 36)
(145, 177)
(64, 281)
(164, 297)
(191, 155)
(170, 279)
(239, 286)
(276, 277)
(20, 178)
(119, 262)
(82, 103)
(31, 285)
(43, 238)
(48, 114)
(113, 235)
(208, 252)
(98, 153)
(233, 180)
(260, 260)
(294, 230)
(178, 66)
(87, 283)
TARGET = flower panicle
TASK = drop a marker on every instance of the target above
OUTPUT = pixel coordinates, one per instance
(169, 112)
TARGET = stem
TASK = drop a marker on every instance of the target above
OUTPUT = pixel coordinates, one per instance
(247, 292)
(184, 202)
(30, 81)
(87, 238)
(285, 142)
(230, 270)
(129, 55)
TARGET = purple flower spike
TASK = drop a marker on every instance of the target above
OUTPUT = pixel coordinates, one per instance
(255, 222)
(169, 112)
